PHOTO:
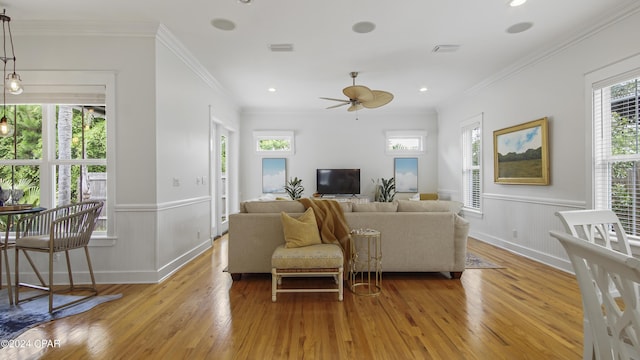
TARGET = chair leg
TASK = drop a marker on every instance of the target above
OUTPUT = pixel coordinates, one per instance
(93, 278)
(50, 282)
(340, 284)
(33, 266)
(66, 254)
(274, 284)
(17, 278)
(7, 268)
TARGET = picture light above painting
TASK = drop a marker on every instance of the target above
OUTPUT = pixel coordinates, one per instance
(521, 154)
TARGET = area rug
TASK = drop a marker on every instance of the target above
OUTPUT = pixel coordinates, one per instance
(476, 262)
(14, 320)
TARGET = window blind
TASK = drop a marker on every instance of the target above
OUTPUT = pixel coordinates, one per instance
(471, 161)
(616, 134)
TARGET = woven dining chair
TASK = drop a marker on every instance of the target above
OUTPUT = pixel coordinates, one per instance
(60, 229)
(613, 316)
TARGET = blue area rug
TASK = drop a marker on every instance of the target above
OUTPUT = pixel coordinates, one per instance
(14, 320)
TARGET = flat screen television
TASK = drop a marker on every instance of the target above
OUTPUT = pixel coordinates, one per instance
(338, 181)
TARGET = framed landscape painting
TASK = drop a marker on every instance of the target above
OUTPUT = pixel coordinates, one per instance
(274, 175)
(521, 154)
(406, 174)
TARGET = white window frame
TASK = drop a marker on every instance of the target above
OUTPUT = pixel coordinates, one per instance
(287, 135)
(466, 128)
(419, 135)
(629, 68)
(56, 85)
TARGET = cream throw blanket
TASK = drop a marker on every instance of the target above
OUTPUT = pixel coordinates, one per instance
(332, 224)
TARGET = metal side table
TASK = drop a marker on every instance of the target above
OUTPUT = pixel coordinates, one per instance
(365, 264)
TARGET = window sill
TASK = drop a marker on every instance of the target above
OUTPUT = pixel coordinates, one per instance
(102, 241)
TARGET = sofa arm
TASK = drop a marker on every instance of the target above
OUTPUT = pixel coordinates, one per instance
(252, 239)
(460, 234)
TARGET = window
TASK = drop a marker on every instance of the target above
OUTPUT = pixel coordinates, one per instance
(405, 142)
(224, 181)
(60, 155)
(274, 142)
(616, 136)
(471, 163)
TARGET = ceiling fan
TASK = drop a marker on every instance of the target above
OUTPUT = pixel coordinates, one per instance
(361, 97)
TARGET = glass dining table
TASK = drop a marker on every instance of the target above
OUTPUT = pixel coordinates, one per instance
(9, 212)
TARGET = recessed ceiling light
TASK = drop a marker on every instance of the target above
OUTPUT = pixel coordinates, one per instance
(519, 27)
(363, 27)
(223, 24)
(514, 3)
(423, 89)
(271, 89)
(246, 2)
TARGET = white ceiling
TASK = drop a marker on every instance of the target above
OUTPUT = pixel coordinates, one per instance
(397, 56)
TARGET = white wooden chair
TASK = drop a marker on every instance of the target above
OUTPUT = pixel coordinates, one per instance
(597, 226)
(601, 227)
(614, 321)
(60, 229)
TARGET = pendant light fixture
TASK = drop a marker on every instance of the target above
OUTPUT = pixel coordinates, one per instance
(12, 81)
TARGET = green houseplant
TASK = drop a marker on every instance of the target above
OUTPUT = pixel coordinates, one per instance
(294, 188)
(385, 189)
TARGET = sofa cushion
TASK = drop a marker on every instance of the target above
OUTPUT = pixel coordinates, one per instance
(429, 206)
(273, 206)
(302, 231)
(347, 206)
(376, 207)
(319, 256)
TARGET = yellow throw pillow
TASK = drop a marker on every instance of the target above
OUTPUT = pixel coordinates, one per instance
(302, 231)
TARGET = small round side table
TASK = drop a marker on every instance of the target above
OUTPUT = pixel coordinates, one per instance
(365, 265)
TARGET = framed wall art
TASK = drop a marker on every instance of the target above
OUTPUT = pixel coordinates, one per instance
(274, 175)
(406, 174)
(521, 154)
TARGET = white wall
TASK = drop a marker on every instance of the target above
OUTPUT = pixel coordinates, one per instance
(552, 84)
(335, 139)
(162, 133)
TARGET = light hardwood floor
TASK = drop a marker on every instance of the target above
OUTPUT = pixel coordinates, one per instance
(524, 311)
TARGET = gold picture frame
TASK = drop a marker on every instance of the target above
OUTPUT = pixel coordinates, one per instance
(521, 154)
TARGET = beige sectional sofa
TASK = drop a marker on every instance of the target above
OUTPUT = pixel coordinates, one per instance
(417, 236)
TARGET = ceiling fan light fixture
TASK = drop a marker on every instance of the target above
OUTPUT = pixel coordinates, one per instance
(360, 97)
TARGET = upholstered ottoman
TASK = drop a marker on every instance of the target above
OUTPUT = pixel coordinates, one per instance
(312, 260)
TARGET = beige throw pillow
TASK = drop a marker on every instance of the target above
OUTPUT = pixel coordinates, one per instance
(302, 231)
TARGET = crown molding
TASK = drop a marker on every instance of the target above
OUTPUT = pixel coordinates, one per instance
(166, 37)
(614, 17)
(84, 28)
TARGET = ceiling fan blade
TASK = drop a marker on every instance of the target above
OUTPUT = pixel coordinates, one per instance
(359, 93)
(335, 106)
(380, 98)
(332, 99)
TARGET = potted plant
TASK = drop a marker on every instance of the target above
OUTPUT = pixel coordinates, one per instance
(385, 190)
(294, 188)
